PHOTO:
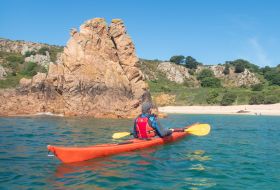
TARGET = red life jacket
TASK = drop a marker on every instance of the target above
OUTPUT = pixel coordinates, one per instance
(143, 128)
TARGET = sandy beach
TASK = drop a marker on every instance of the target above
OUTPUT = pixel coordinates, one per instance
(271, 109)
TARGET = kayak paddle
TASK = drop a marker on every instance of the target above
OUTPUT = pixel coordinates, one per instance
(199, 129)
(120, 135)
(196, 129)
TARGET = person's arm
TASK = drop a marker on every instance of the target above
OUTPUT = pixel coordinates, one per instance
(161, 132)
(134, 130)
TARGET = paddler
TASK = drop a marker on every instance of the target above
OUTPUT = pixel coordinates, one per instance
(146, 125)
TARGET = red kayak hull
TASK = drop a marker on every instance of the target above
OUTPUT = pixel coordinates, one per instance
(77, 154)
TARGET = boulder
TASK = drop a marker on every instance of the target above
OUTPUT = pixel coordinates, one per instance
(3, 73)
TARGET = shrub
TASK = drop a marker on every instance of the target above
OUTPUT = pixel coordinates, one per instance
(256, 99)
(257, 87)
(43, 50)
(212, 97)
(271, 99)
(15, 59)
(228, 99)
(165, 89)
(276, 79)
(13, 65)
(29, 69)
(226, 70)
(188, 83)
(29, 53)
(211, 82)
(54, 51)
(205, 73)
(239, 68)
(191, 71)
(273, 76)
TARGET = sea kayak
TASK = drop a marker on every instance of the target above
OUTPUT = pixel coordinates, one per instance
(77, 154)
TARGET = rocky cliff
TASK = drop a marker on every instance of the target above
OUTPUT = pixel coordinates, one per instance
(180, 74)
(96, 75)
(233, 79)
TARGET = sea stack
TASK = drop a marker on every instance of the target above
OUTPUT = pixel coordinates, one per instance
(96, 75)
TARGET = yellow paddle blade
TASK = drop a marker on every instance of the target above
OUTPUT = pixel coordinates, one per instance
(120, 135)
(199, 129)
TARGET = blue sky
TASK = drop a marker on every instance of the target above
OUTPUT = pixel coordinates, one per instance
(211, 31)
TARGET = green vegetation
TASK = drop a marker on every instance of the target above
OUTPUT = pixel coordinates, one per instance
(239, 68)
(11, 81)
(212, 97)
(256, 99)
(273, 77)
(14, 58)
(211, 82)
(191, 63)
(53, 51)
(241, 64)
(31, 69)
(257, 87)
(189, 94)
(205, 73)
(43, 50)
(207, 79)
(177, 59)
(17, 69)
(29, 53)
(226, 70)
(271, 99)
(228, 98)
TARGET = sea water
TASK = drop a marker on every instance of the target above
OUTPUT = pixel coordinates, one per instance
(241, 152)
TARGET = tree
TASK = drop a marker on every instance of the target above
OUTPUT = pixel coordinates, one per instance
(226, 70)
(246, 64)
(273, 77)
(177, 59)
(265, 69)
(205, 73)
(191, 63)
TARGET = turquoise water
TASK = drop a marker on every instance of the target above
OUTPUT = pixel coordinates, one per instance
(242, 152)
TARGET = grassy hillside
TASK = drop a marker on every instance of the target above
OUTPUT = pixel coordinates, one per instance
(17, 68)
(158, 83)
